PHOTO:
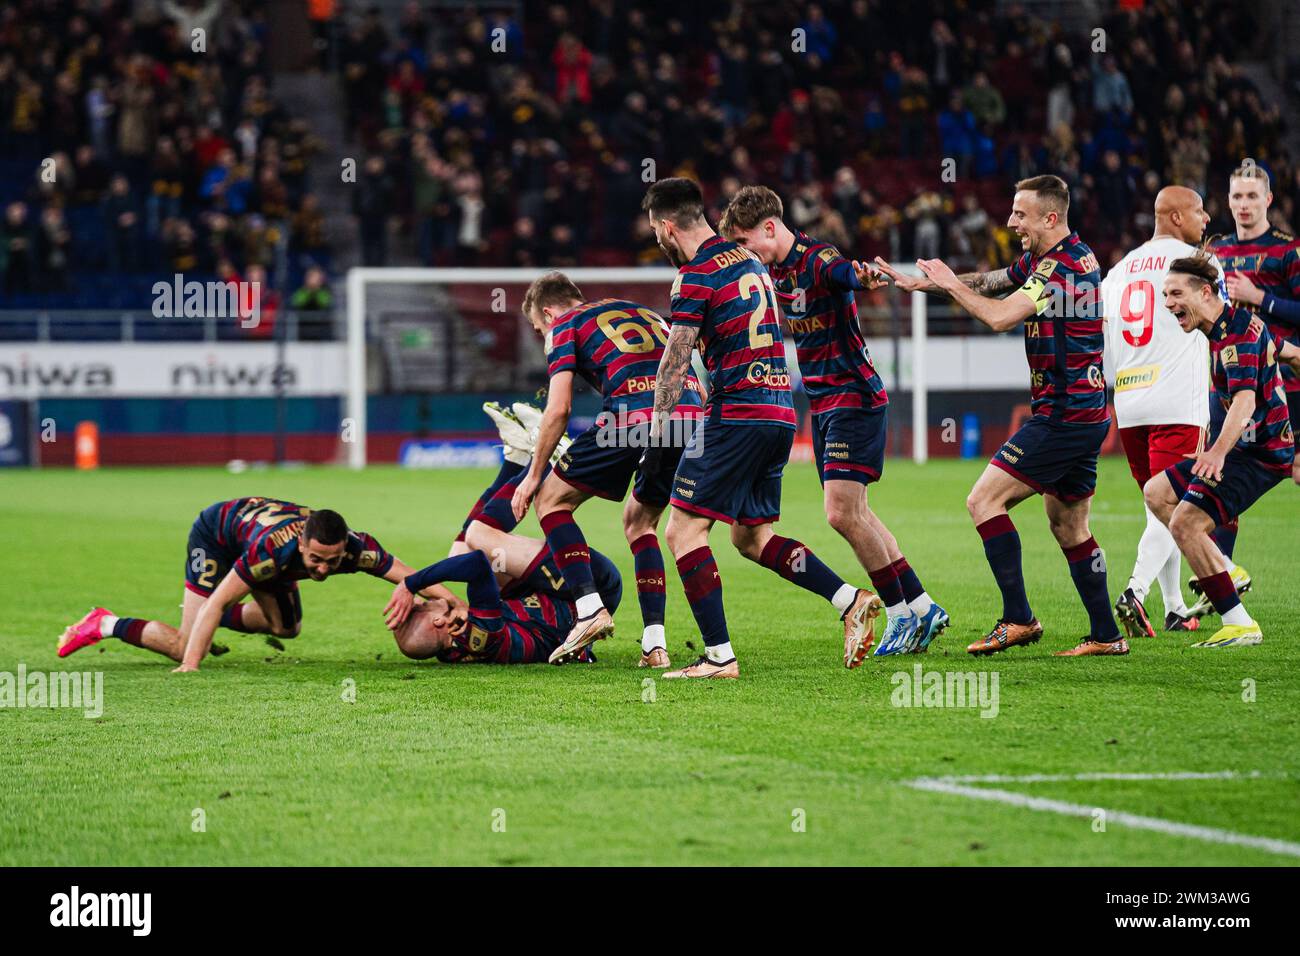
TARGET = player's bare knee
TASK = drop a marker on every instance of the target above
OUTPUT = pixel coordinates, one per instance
(843, 518)
(1186, 524)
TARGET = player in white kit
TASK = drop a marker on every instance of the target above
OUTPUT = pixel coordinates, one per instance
(1162, 380)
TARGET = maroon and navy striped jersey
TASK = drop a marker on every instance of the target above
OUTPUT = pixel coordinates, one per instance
(1272, 262)
(264, 533)
(511, 631)
(616, 345)
(818, 284)
(1243, 357)
(727, 294)
(1065, 338)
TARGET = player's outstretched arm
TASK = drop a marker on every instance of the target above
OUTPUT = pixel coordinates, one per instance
(673, 370)
(555, 422)
(984, 283)
(1209, 462)
(399, 571)
(230, 590)
(472, 567)
(1000, 315)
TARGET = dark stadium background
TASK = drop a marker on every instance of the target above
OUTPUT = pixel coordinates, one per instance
(225, 164)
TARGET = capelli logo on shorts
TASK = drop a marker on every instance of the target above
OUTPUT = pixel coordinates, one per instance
(131, 910)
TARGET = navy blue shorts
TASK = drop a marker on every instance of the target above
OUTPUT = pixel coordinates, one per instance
(732, 472)
(602, 461)
(1054, 458)
(849, 444)
(1293, 406)
(543, 576)
(207, 562)
(1244, 482)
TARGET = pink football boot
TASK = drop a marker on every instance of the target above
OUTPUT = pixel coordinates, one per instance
(84, 633)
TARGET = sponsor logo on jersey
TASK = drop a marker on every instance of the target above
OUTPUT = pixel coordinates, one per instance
(1143, 376)
(762, 373)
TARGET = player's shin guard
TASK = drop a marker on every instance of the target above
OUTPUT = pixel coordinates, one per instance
(1002, 549)
(1225, 536)
(1088, 569)
(130, 630)
(232, 618)
(650, 591)
(573, 558)
(703, 587)
(795, 562)
(1222, 592)
(913, 590)
(885, 581)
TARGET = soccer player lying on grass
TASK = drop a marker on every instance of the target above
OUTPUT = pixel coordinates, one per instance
(849, 404)
(615, 346)
(519, 607)
(1253, 450)
(1053, 288)
(257, 546)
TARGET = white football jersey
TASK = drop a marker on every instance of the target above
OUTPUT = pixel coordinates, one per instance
(1161, 374)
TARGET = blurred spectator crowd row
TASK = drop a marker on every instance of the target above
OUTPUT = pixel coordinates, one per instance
(126, 154)
(535, 154)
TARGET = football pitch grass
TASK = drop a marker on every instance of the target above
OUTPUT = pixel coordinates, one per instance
(798, 762)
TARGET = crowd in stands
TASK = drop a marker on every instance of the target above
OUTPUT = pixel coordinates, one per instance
(140, 139)
(487, 137)
(892, 128)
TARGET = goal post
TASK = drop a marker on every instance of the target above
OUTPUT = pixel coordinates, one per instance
(651, 285)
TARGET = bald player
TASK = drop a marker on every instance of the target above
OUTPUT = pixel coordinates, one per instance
(1161, 382)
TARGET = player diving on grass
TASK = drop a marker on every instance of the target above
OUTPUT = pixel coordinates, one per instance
(1054, 294)
(247, 546)
(816, 286)
(1161, 382)
(520, 607)
(723, 299)
(1253, 449)
(614, 345)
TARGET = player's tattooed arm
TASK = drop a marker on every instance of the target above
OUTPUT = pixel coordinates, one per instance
(674, 367)
(988, 283)
(982, 283)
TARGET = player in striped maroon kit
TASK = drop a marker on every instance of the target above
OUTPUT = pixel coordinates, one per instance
(816, 286)
(1252, 450)
(615, 346)
(520, 605)
(1055, 453)
(723, 300)
(257, 546)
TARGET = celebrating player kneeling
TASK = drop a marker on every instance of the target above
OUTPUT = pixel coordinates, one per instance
(848, 400)
(1161, 382)
(723, 298)
(615, 345)
(261, 546)
(1054, 453)
(1253, 450)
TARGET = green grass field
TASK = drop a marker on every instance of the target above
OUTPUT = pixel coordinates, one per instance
(799, 762)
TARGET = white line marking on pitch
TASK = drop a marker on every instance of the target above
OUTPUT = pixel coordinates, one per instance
(957, 786)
